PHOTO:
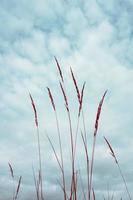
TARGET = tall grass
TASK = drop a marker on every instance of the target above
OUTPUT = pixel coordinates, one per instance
(72, 192)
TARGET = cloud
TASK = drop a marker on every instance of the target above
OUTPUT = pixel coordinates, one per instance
(95, 39)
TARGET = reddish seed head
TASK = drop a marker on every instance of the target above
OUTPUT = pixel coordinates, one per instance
(111, 150)
(51, 98)
(65, 97)
(34, 108)
(76, 85)
(59, 68)
(81, 100)
(98, 113)
(11, 170)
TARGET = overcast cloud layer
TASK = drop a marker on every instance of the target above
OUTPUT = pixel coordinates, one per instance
(94, 37)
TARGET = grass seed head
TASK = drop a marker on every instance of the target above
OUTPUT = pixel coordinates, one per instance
(59, 68)
(11, 170)
(76, 85)
(34, 108)
(98, 113)
(51, 98)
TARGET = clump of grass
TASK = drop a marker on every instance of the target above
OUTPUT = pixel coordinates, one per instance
(72, 194)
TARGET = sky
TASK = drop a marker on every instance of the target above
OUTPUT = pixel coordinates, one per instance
(93, 37)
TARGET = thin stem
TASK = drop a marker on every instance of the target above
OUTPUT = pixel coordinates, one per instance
(75, 144)
(56, 156)
(87, 156)
(40, 161)
(62, 162)
(116, 161)
(87, 160)
(73, 184)
(13, 188)
(84, 126)
(86, 149)
(124, 180)
(92, 164)
(63, 189)
(82, 186)
(94, 139)
(72, 151)
(35, 182)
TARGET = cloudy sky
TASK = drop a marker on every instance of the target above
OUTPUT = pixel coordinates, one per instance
(94, 37)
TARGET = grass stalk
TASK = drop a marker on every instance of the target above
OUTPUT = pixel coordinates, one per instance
(119, 168)
(35, 183)
(39, 147)
(62, 161)
(84, 126)
(72, 154)
(94, 141)
(40, 163)
(18, 188)
(92, 163)
(124, 181)
(56, 156)
(82, 186)
(71, 139)
(60, 143)
(87, 161)
(62, 86)
(61, 186)
(93, 192)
